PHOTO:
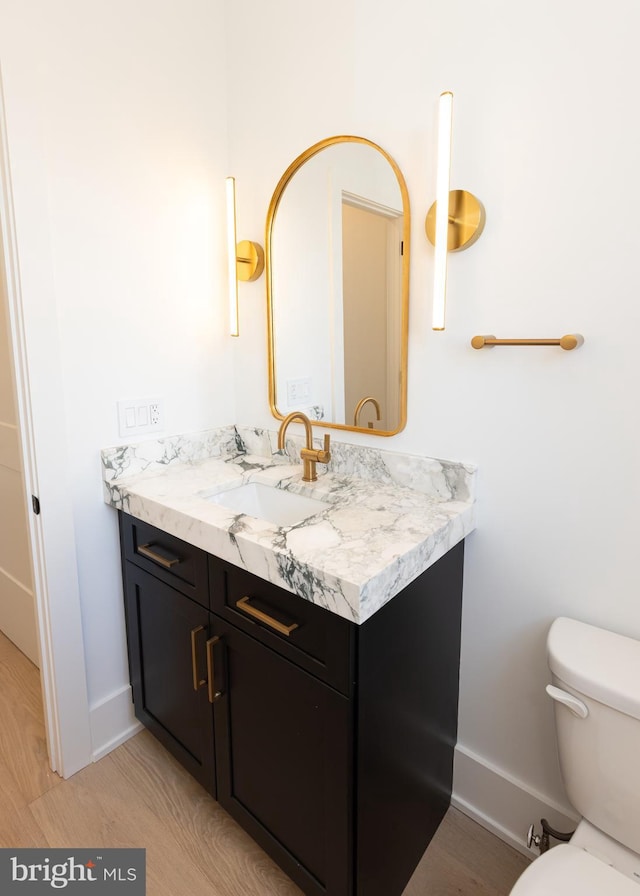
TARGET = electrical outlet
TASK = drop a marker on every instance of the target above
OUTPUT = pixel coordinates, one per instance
(137, 416)
(156, 414)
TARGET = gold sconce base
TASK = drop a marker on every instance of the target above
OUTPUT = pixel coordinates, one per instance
(249, 260)
(466, 220)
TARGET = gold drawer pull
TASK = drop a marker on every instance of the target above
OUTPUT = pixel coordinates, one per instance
(243, 604)
(197, 681)
(163, 559)
(213, 692)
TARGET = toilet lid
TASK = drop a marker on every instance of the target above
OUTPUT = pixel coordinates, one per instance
(568, 870)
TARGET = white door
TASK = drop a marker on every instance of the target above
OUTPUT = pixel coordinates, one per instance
(17, 603)
(37, 369)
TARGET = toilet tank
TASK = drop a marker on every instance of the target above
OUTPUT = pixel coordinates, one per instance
(600, 754)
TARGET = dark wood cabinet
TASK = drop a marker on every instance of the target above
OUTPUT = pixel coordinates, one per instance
(330, 743)
(283, 748)
(167, 632)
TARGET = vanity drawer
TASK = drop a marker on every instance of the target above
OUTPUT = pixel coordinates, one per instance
(166, 557)
(315, 639)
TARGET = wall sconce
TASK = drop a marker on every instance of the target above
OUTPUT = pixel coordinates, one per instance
(462, 223)
(245, 259)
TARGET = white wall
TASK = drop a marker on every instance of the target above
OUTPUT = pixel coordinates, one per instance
(546, 135)
(116, 120)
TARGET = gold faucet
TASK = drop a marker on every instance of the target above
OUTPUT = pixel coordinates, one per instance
(359, 407)
(310, 455)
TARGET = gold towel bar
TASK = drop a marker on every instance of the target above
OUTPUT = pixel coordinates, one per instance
(573, 340)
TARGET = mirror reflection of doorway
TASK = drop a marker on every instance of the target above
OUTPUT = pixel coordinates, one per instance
(371, 259)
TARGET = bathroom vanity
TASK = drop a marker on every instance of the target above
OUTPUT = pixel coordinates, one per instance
(306, 675)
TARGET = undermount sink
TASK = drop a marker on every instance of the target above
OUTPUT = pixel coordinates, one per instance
(273, 505)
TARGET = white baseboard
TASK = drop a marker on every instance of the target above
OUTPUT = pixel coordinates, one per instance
(112, 722)
(501, 803)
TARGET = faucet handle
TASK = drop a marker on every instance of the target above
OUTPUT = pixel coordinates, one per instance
(324, 456)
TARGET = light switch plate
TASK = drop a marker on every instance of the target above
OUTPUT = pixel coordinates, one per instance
(299, 391)
(137, 416)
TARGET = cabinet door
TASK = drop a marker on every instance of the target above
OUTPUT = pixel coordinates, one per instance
(167, 636)
(284, 750)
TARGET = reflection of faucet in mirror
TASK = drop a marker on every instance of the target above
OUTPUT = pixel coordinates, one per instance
(310, 455)
(359, 407)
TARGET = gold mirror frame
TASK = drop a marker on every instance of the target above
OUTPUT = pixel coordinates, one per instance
(404, 328)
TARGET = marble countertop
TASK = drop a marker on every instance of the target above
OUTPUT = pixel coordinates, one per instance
(391, 516)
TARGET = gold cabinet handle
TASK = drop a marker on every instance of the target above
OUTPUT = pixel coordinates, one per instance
(243, 604)
(197, 681)
(213, 692)
(163, 559)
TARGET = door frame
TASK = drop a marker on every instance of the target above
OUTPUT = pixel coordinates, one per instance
(36, 360)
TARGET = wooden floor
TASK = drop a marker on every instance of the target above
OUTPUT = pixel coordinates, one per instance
(139, 796)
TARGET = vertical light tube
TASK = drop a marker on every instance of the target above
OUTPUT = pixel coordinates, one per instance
(442, 209)
(234, 327)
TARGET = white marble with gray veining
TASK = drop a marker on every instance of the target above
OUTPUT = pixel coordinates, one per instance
(392, 515)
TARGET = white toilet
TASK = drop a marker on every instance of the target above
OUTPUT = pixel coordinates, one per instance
(596, 686)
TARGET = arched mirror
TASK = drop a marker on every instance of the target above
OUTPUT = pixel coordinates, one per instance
(337, 265)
